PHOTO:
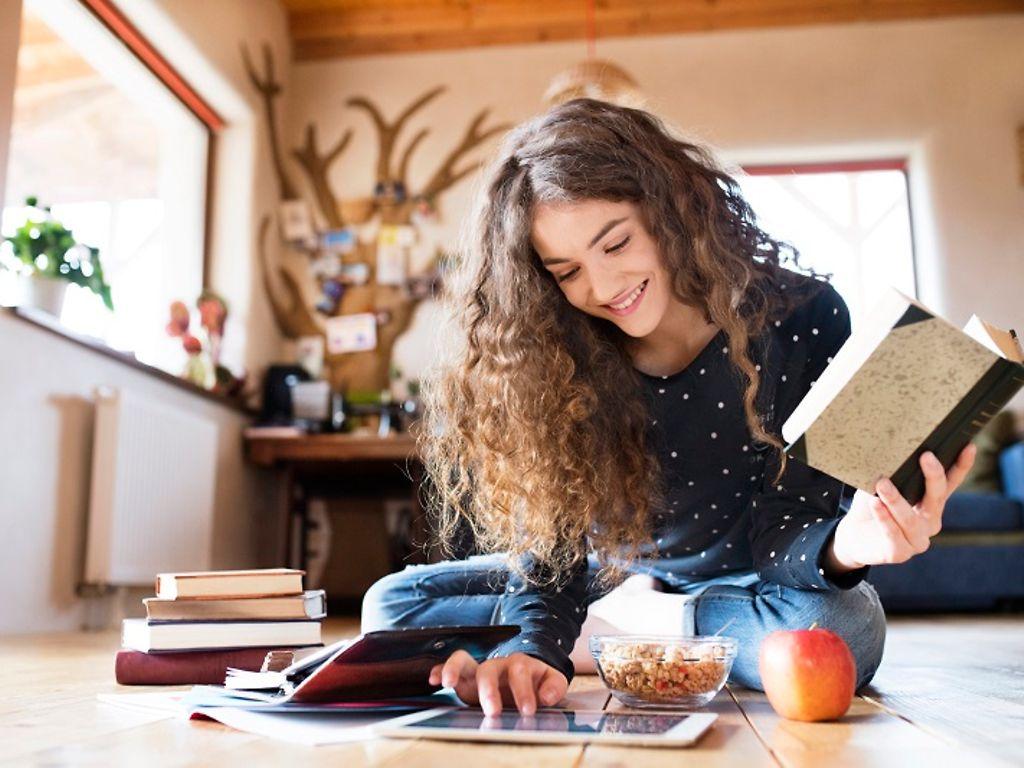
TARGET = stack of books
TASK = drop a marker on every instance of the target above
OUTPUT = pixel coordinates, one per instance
(201, 623)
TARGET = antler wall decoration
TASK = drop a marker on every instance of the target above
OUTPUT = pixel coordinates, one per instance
(391, 203)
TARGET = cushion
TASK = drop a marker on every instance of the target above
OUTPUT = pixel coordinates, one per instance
(967, 511)
(999, 433)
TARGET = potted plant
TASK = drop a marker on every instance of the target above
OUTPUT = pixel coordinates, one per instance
(49, 257)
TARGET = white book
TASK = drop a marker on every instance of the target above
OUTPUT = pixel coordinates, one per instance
(138, 635)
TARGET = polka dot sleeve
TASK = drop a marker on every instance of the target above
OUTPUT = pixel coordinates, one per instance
(794, 519)
(549, 618)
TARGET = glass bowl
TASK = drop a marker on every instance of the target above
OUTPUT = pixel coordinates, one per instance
(664, 671)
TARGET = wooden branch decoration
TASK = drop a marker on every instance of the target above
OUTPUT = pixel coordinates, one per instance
(388, 132)
(293, 318)
(445, 177)
(317, 167)
(269, 89)
(403, 166)
(392, 201)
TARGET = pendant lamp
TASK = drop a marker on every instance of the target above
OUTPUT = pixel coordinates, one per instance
(594, 78)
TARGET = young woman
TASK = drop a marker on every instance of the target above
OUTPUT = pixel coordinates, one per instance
(627, 346)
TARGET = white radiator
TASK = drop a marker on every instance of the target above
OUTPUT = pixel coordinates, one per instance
(151, 503)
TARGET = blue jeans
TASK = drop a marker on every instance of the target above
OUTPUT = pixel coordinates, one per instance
(468, 591)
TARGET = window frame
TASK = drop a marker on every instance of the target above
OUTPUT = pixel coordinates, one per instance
(121, 28)
(850, 166)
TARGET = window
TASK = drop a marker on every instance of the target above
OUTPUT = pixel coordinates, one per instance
(850, 219)
(122, 160)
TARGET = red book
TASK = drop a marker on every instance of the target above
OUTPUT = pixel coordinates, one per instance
(185, 667)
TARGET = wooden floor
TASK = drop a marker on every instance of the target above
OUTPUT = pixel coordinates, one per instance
(950, 692)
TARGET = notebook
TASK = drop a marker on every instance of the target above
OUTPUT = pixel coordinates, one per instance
(905, 382)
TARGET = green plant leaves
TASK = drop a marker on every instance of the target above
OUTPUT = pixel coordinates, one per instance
(46, 247)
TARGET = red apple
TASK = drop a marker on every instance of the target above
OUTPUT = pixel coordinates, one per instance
(808, 674)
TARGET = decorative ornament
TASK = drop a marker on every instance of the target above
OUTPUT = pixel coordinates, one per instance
(203, 367)
(424, 213)
(374, 274)
(331, 293)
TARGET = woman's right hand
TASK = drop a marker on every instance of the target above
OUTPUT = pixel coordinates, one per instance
(516, 680)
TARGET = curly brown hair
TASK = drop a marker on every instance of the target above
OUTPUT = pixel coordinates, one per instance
(535, 429)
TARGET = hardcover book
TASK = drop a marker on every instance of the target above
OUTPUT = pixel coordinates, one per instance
(184, 668)
(309, 605)
(140, 635)
(906, 382)
(204, 585)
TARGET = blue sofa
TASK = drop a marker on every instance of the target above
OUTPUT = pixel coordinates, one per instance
(976, 562)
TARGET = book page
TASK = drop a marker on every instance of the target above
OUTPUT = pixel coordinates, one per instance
(999, 341)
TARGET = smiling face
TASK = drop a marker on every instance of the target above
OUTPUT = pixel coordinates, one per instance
(604, 261)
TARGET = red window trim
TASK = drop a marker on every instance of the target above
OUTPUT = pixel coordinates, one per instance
(841, 166)
(124, 30)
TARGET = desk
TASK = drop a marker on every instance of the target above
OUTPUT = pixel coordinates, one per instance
(335, 466)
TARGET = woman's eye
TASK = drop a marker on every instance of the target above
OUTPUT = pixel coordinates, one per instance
(610, 249)
(618, 247)
(567, 275)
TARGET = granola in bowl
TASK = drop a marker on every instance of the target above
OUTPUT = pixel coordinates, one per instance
(663, 671)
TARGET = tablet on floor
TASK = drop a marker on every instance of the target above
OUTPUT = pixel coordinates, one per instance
(548, 725)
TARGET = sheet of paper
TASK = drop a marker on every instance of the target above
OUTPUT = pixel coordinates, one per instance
(351, 333)
(296, 220)
(339, 240)
(159, 705)
(206, 696)
(309, 353)
(298, 728)
(390, 265)
(391, 252)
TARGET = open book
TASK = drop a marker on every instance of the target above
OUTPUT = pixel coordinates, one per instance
(904, 383)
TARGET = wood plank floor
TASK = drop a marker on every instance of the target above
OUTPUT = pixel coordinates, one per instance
(950, 692)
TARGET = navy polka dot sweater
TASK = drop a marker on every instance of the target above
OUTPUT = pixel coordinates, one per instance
(722, 514)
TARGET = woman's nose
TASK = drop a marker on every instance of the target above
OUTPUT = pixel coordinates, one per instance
(606, 286)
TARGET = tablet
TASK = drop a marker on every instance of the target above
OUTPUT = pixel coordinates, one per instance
(550, 725)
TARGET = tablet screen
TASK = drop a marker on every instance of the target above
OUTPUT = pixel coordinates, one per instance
(558, 721)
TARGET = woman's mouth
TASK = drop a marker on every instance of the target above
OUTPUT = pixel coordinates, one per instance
(630, 303)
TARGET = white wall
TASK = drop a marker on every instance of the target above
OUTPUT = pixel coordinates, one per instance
(45, 457)
(46, 381)
(948, 94)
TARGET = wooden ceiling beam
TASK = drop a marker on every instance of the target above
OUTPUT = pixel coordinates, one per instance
(323, 29)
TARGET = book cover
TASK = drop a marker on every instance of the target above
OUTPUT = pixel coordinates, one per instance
(376, 665)
(908, 382)
(396, 662)
(309, 605)
(183, 668)
(263, 582)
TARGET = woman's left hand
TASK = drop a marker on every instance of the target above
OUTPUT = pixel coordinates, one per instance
(888, 529)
